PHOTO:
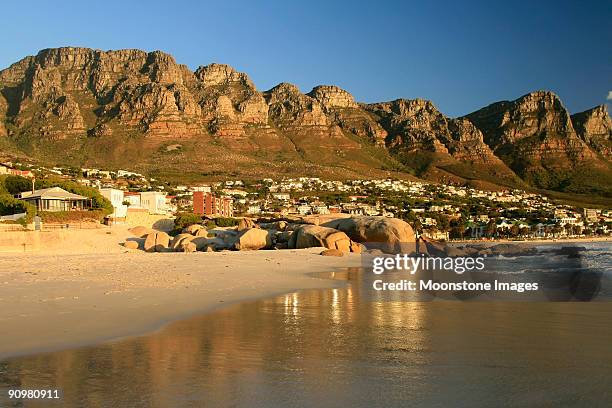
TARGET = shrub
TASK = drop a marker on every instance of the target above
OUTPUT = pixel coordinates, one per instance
(10, 205)
(183, 220)
(17, 184)
(72, 216)
(226, 222)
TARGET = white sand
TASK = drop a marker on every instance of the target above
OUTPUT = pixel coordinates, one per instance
(83, 294)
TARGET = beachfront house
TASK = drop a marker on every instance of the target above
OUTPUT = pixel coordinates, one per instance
(55, 199)
(133, 198)
(154, 201)
(116, 197)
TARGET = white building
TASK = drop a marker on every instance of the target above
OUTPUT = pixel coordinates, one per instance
(282, 196)
(203, 189)
(304, 209)
(154, 201)
(116, 198)
(132, 198)
(320, 209)
(254, 209)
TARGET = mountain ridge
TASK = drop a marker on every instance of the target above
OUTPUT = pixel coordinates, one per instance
(145, 111)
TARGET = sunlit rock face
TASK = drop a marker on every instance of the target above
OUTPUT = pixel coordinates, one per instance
(84, 105)
(594, 126)
(535, 136)
(417, 125)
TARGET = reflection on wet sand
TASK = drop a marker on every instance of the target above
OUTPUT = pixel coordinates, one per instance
(342, 347)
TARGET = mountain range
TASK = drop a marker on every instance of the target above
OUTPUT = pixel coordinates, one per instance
(142, 111)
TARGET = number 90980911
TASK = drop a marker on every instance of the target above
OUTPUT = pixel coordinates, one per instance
(34, 394)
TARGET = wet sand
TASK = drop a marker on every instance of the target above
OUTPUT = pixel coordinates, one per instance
(81, 287)
(339, 347)
(55, 301)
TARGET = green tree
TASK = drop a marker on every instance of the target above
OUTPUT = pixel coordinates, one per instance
(417, 225)
(183, 220)
(491, 228)
(443, 223)
(226, 222)
(10, 205)
(17, 184)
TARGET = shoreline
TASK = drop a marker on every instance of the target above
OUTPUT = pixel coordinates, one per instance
(82, 288)
(51, 303)
(532, 241)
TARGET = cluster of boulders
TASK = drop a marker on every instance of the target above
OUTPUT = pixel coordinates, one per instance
(338, 237)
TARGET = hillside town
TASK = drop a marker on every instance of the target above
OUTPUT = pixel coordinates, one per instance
(443, 212)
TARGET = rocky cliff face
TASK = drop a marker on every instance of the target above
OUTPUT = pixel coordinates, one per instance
(306, 121)
(75, 91)
(124, 107)
(535, 136)
(530, 126)
(139, 109)
(342, 110)
(419, 133)
(412, 125)
(291, 109)
(594, 126)
(416, 125)
(229, 101)
(332, 97)
(3, 113)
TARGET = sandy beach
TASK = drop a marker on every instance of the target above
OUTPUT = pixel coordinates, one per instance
(79, 293)
(67, 288)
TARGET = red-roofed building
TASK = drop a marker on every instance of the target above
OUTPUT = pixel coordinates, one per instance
(14, 172)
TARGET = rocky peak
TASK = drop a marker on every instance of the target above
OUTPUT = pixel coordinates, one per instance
(426, 140)
(409, 115)
(68, 57)
(55, 71)
(283, 91)
(594, 126)
(418, 125)
(405, 108)
(163, 69)
(332, 97)
(538, 113)
(229, 100)
(221, 74)
(288, 107)
(535, 137)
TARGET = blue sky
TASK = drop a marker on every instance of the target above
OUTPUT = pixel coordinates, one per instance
(461, 55)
